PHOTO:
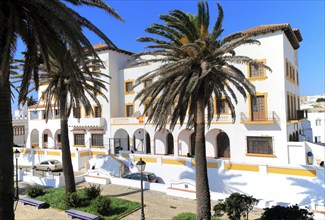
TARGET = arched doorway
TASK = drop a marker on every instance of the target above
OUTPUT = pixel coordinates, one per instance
(170, 143)
(121, 140)
(223, 144)
(34, 139)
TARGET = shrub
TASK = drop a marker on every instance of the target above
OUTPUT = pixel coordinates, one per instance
(72, 200)
(35, 191)
(102, 205)
(185, 216)
(290, 212)
(93, 191)
(236, 205)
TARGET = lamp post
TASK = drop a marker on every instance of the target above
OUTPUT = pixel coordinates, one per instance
(141, 165)
(17, 154)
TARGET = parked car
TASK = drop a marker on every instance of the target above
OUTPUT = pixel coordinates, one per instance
(147, 176)
(48, 165)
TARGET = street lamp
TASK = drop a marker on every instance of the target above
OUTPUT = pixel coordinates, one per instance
(17, 154)
(141, 165)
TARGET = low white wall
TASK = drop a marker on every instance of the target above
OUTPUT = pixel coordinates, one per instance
(50, 181)
(290, 184)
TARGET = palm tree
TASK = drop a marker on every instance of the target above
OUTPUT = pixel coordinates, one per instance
(48, 29)
(31, 101)
(195, 67)
(66, 90)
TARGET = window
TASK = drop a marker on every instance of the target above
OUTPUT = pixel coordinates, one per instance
(317, 139)
(59, 138)
(224, 107)
(45, 138)
(18, 130)
(98, 112)
(128, 86)
(147, 83)
(255, 71)
(97, 88)
(129, 110)
(87, 113)
(79, 139)
(56, 112)
(149, 109)
(318, 122)
(97, 140)
(287, 69)
(259, 145)
(76, 112)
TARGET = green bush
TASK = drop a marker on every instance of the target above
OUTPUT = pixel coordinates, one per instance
(286, 213)
(185, 216)
(35, 191)
(102, 205)
(73, 200)
(236, 205)
(93, 191)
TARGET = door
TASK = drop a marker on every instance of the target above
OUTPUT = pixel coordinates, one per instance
(258, 109)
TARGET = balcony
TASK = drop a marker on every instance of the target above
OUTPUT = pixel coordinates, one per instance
(300, 114)
(86, 122)
(259, 118)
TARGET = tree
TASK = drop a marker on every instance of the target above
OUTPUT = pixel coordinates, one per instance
(48, 29)
(195, 67)
(65, 90)
(31, 101)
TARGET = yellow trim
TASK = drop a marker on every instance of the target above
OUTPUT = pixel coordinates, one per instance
(125, 108)
(126, 155)
(146, 159)
(221, 122)
(257, 122)
(128, 81)
(39, 152)
(97, 153)
(261, 155)
(209, 164)
(264, 77)
(53, 153)
(73, 154)
(292, 171)
(83, 154)
(243, 167)
(173, 162)
(25, 152)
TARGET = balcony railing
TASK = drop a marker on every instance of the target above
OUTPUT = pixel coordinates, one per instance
(260, 118)
(86, 122)
(300, 114)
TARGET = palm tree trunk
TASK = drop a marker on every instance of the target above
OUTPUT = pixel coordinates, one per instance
(203, 204)
(70, 185)
(6, 155)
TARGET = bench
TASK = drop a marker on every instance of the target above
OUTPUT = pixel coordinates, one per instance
(33, 202)
(73, 213)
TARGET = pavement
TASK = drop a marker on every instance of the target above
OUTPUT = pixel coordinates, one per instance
(157, 205)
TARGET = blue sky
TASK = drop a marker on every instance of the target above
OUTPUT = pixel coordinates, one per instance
(308, 16)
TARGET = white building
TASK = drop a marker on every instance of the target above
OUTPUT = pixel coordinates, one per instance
(266, 145)
(258, 135)
(20, 125)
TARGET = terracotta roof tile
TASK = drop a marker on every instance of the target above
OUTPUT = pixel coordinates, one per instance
(101, 46)
(293, 35)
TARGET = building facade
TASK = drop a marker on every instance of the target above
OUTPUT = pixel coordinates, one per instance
(263, 132)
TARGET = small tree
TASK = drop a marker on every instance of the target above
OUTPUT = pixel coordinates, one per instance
(320, 100)
(236, 205)
(290, 212)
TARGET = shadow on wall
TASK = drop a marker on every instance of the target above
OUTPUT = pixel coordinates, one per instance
(220, 182)
(313, 188)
